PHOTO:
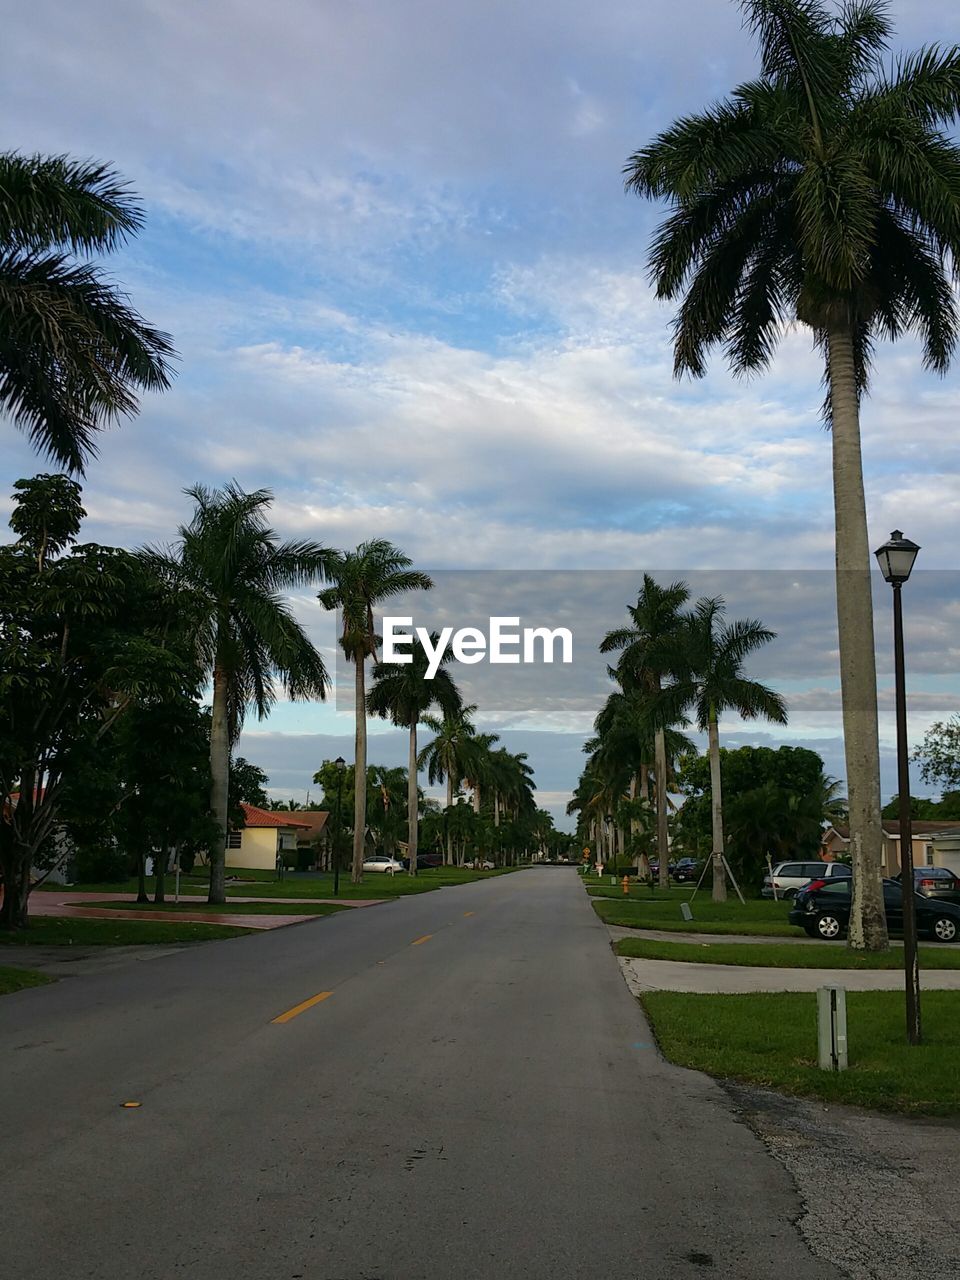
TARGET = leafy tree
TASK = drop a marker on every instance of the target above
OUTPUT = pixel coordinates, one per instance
(84, 638)
(939, 754)
(775, 801)
(231, 572)
(364, 579)
(824, 192)
(73, 353)
(247, 785)
(403, 693)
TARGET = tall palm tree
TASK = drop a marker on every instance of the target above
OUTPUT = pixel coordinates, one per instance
(403, 693)
(364, 579)
(444, 757)
(713, 682)
(72, 351)
(477, 763)
(827, 191)
(649, 647)
(232, 573)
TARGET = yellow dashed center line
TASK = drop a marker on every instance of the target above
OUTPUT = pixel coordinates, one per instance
(426, 938)
(304, 1004)
(467, 913)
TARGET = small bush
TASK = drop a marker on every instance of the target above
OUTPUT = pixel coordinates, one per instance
(101, 866)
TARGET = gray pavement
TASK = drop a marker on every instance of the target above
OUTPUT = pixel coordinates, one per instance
(680, 975)
(479, 1097)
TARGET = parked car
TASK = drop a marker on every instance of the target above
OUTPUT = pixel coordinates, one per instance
(382, 862)
(483, 864)
(788, 877)
(424, 861)
(822, 910)
(686, 869)
(935, 882)
(655, 867)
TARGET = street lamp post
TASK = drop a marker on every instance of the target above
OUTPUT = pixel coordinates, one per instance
(341, 766)
(896, 559)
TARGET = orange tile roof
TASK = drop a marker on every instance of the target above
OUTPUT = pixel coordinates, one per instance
(254, 817)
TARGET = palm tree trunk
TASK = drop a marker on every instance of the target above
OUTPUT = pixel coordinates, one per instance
(716, 809)
(496, 808)
(476, 797)
(413, 806)
(448, 856)
(219, 784)
(858, 671)
(359, 773)
(663, 846)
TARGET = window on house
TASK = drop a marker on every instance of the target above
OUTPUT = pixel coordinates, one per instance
(234, 839)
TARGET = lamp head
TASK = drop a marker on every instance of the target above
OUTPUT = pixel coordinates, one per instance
(896, 558)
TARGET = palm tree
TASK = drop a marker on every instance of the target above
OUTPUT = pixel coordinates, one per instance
(649, 647)
(232, 572)
(444, 757)
(477, 763)
(364, 579)
(72, 351)
(713, 682)
(403, 693)
(825, 192)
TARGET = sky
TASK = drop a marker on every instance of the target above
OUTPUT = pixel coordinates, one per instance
(391, 242)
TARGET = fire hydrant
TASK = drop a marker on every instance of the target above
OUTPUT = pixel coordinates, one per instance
(626, 885)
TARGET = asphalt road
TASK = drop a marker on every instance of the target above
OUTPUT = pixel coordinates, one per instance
(478, 1098)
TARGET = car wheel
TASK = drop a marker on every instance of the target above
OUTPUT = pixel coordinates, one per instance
(828, 927)
(789, 893)
(944, 929)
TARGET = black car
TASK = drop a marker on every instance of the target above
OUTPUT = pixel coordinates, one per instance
(685, 869)
(425, 861)
(935, 882)
(822, 910)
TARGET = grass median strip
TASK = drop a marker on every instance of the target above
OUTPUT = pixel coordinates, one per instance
(765, 955)
(771, 1040)
(72, 931)
(761, 919)
(12, 979)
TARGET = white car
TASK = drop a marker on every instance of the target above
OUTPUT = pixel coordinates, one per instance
(381, 862)
(483, 865)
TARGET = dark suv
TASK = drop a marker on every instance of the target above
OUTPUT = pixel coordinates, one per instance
(822, 910)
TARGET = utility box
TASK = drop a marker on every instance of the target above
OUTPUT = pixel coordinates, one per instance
(832, 1028)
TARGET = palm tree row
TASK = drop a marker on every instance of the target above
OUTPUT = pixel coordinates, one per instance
(674, 665)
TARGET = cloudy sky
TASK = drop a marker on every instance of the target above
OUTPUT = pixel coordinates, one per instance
(391, 241)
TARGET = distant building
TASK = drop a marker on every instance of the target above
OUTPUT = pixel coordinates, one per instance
(934, 844)
(266, 834)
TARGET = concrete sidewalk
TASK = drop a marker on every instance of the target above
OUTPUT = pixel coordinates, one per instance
(678, 975)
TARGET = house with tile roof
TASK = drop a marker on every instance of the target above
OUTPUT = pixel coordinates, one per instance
(934, 844)
(265, 835)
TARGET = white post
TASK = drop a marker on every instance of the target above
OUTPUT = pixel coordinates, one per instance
(832, 1028)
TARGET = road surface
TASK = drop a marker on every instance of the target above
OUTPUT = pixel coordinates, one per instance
(473, 1096)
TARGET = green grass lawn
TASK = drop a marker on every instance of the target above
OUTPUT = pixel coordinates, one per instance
(57, 931)
(783, 955)
(257, 884)
(230, 908)
(771, 1039)
(18, 979)
(758, 917)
